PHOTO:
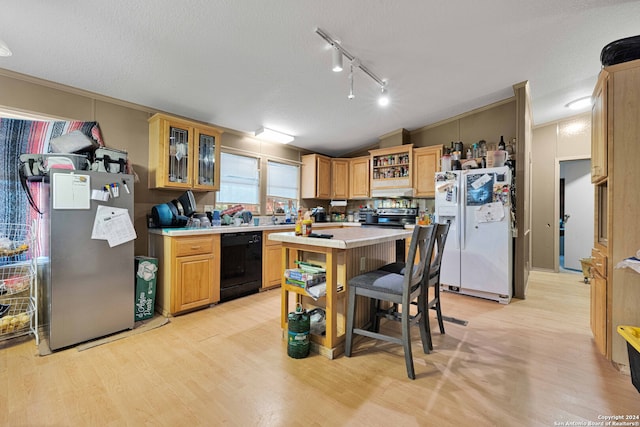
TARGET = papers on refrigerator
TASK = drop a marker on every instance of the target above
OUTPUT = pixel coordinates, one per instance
(491, 212)
(479, 188)
(113, 225)
(71, 191)
(481, 181)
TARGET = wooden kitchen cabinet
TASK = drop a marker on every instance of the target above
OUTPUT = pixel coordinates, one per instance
(183, 154)
(359, 177)
(339, 179)
(599, 129)
(599, 299)
(426, 162)
(188, 271)
(272, 259)
(615, 292)
(316, 177)
(392, 168)
(193, 275)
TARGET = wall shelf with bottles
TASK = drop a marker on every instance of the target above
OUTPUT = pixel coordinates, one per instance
(392, 167)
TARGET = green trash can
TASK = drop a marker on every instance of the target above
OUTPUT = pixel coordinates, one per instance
(299, 326)
(145, 283)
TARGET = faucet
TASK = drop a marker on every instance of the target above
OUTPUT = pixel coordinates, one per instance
(274, 220)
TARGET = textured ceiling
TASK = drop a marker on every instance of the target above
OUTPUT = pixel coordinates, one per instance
(253, 63)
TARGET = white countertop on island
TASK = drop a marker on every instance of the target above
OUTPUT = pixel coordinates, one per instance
(345, 237)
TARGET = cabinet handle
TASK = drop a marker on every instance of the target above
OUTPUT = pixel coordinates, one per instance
(195, 247)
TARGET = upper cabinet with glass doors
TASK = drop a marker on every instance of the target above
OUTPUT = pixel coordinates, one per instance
(183, 154)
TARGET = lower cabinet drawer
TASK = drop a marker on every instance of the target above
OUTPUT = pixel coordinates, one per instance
(184, 246)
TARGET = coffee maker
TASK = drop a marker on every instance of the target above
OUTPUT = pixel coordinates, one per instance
(319, 214)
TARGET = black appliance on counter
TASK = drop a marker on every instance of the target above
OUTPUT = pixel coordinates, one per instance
(318, 214)
(240, 265)
(363, 212)
(393, 217)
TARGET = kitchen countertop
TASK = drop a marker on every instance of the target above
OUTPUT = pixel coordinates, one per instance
(345, 237)
(242, 228)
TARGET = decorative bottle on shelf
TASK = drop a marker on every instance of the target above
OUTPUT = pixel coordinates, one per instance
(469, 153)
(501, 145)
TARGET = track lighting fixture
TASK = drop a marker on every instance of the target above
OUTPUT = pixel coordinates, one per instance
(338, 52)
(351, 94)
(337, 60)
(383, 100)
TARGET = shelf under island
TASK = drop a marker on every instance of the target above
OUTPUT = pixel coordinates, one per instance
(350, 252)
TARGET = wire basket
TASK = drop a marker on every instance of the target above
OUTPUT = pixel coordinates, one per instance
(17, 315)
(15, 278)
(16, 271)
(15, 240)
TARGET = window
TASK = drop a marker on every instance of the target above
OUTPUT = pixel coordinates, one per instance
(282, 187)
(239, 182)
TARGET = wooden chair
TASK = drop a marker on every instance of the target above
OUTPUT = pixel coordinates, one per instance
(399, 289)
(433, 280)
(434, 276)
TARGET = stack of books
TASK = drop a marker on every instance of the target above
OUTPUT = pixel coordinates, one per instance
(306, 275)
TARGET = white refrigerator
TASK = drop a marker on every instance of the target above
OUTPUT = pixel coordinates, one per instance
(477, 259)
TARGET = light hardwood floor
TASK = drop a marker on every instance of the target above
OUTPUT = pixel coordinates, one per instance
(530, 363)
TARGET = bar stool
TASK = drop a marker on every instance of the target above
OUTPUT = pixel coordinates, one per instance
(434, 275)
(399, 289)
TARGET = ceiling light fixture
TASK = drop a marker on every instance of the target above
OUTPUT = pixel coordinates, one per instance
(580, 103)
(337, 60)
(4, 49)
(383, 100)
(355, 63)
(351, 94)
(273, 136)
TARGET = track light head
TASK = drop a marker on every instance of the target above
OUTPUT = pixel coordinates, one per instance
(351, 94)
(383, 100)
(337, 54)
(337, 60)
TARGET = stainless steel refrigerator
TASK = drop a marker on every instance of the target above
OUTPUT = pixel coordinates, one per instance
(477, 258)
(90, 291)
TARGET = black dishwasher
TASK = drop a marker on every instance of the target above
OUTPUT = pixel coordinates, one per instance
(240, 265)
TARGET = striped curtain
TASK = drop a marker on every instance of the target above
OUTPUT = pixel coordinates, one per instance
(31, 137)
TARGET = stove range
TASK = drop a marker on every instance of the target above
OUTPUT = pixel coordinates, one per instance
(394, 217)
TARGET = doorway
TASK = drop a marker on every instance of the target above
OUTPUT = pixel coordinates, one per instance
(576, 213)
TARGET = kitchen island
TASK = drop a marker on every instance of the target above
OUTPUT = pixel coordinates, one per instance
(189, 264)
(350, 252)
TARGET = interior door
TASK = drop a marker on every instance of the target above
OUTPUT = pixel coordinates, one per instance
(578, 209)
